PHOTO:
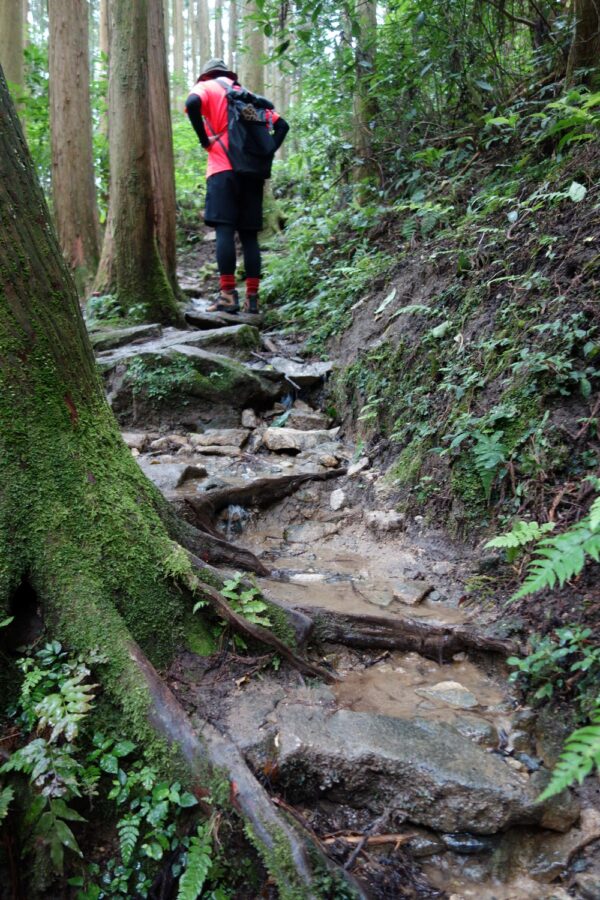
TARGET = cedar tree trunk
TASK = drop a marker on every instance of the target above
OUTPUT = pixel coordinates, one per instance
(11, 40)
(143, 288)
(73, 185)
(80, 521)
(585, 49)
(254, 47)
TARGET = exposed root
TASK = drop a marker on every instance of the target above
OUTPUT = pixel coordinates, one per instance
(254, 632)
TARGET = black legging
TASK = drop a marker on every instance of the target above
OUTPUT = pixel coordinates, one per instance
(226, 251)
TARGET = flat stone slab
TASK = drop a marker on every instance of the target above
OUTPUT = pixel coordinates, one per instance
(405, 591)
(138, 440)
(205, 320)
(278, 439)
(450, 692)
(226, 437)
(441, 779)
(170, 476)
(302, 374)
(307, 421)
(217, 450)
(239, 337)
(310, 532)
(111, 338)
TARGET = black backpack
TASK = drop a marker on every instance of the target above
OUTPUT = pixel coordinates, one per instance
(251, 144)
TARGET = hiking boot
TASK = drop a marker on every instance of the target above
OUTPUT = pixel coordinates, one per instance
(251, 304)
(229, 303)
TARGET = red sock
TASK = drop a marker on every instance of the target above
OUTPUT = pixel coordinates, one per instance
(252, 285)
(227, 283)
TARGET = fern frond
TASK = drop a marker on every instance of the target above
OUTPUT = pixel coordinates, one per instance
(595, 515)
(579, 758)
(559, 559)
(521, 534)
(128, 829)
(6, 796)
(199, 861)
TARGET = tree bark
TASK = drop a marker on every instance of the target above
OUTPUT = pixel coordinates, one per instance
(205, 42)
(11, 40)
(253, 70)
(143, 289)
(585, 49)
(161, 142)
(73, 186)
(233, 34)
(178, 40)
(365, 105)
(219, 49)
(79, 520)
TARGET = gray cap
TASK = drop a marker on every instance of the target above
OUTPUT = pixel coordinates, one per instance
(215, 67)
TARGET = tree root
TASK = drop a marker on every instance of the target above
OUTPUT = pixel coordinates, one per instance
(284, 850)
(437, 642)
(262, 492)
(254, 632)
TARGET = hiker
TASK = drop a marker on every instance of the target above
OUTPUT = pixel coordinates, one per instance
(234, 199)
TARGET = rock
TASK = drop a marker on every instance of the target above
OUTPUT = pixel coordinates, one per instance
(277, 439)
(307, 577)
(301, 374)
(169, 476)
(520, 740)
(311, 532)
(588, 886)
(239, 337)
(226, 437)
(337, 499)
(209, 237)
(217, 450)
(442, 568)
(424, 843)
(356, 468)
(307, 421)
(328, 460)
(477, 729)
(169, 442)
(250, 419)
(383, 520)
(225, 380)
(411, 592)
(111, 338)
(545, 855)
(426, 768)
(560, 812)
(137, 440)
(451, 692)
(467, 844)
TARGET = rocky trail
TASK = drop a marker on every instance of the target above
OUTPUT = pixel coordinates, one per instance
(414, 768)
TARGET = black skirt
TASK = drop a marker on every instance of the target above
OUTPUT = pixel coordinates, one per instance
(233, 199)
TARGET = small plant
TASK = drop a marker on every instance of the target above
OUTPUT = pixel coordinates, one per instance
(579, 758)
(521, 535)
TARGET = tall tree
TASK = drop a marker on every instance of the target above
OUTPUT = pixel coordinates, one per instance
(178, 42)
(161, 141)
(12, 35)
(73, 185)
(365, 104)
(204, 43)
(143, 288)
(80, 523)
(253, 70)
(585, 48)
(219, 48)
(233, 34)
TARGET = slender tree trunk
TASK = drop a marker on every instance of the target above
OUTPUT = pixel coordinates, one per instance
(252, 60)
(585, 49)
(365, 105)
(161, 141)
(178, 41)
(143, 289)
(73, 185)
(79, 520)
(204, 32)
(12, 40)
(219, 48)
(233, 34)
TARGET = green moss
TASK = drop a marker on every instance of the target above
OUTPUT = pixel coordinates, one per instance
(198, 636)
(407, 467)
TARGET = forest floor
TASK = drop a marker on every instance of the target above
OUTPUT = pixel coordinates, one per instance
(419, 768)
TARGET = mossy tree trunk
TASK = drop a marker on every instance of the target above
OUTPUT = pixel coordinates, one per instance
(143, 288)
(365, 104)
(585, 49)
(79, 520)
(73, 187)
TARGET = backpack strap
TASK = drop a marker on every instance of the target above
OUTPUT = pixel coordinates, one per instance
(226, 88)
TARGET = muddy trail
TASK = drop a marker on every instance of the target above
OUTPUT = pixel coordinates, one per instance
(415, 769)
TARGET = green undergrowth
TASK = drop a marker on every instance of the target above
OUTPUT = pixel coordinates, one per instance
(483, 350)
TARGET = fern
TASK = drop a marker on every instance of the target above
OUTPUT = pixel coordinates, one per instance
(579, 758)
(489, 453)
(6, 796)
(521, 534)
(560, 558)
(129, 832)
(199, 861)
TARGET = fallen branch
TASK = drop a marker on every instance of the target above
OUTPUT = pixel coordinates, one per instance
(437, 642)
(254, 632)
